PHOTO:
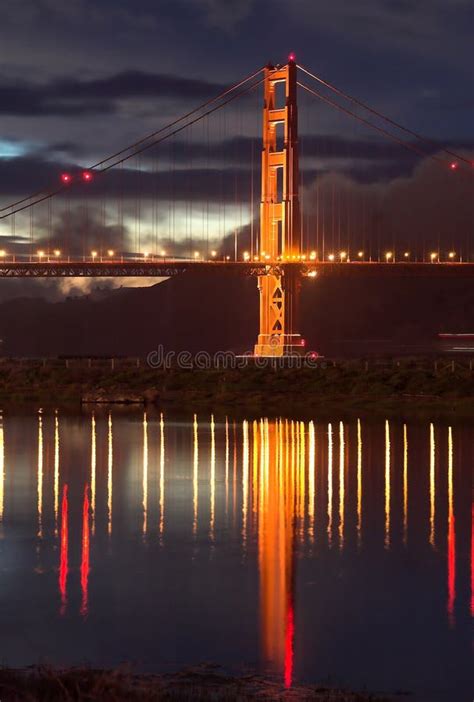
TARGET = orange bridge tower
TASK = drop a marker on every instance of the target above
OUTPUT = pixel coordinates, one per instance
(279, 216)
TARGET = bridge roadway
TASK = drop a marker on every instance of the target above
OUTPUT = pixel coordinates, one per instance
(164, 268)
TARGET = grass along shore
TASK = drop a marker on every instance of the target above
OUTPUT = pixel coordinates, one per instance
(405, 383)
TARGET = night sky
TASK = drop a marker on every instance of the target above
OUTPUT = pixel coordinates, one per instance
(79, 79)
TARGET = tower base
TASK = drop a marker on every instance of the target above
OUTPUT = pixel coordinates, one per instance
(279, 345)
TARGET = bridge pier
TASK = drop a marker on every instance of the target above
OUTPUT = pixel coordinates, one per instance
(280, 218)
(279, 314)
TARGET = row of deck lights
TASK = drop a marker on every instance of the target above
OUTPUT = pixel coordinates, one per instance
(343, 256)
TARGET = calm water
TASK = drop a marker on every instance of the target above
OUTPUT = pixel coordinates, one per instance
(321, 551)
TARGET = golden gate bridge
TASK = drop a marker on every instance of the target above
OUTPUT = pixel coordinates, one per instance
(119, 217)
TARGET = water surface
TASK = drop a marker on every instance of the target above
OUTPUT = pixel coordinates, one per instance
(338, 552)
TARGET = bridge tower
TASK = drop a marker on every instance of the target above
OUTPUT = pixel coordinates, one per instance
(279, 216)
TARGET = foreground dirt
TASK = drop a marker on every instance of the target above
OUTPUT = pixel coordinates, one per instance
(43, 684)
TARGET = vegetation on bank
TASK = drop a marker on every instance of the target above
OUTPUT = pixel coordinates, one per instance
(411, 383)
(43, 684)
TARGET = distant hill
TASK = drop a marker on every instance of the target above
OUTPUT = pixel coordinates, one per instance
(196, 312)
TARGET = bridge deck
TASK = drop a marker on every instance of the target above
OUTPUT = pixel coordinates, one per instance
(169, 267)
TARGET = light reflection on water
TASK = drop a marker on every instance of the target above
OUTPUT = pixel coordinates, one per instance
(310, 549)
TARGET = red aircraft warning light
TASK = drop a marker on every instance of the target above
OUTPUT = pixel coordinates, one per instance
(87, 176)
(453, 165)
(292, 57)
(66, 177)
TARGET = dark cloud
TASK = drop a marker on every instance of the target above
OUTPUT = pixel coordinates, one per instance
(69, 97)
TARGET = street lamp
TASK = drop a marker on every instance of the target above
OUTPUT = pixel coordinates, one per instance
(389, 256)
(94, 255)
(331, 257)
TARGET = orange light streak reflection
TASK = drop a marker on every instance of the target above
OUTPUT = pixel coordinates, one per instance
(93, 468)
(145, 474)
(162, 478)
(330, 485)
(85, 553)
(451, 534)
(405, 484)
(195, 474)
(341, 484)
(110, 465)
(278, 509)
(311, 478)
(359, 483)
(56, 471)
(387, 484)
(2, 468)
(432, 485)
(40, 474)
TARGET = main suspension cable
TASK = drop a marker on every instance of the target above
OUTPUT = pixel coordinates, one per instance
(375, 112)
(381, 130)
(141, 141)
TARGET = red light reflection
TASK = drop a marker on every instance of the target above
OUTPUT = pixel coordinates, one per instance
(289, 637)
(85, 552)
